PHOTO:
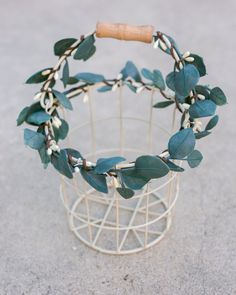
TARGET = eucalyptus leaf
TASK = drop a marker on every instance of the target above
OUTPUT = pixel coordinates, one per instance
(130, 70)
(65, 74)
(212, 123)
(104, 88)
(61, 97)
(60, 163)
(194, 159)
(186, 79)
(133, 179)
(202, 108)
(33, 139)
(38, 118)
(147, 74)
(163, 104)
(201, 89)
(217, 95)
(74, 153)
(202, 134)
(131, 87)
(62, 131)
(61, 46)
(22, 116)
(86, 48)
(199, 64)
(35, 107)
(173, 167)
(125, 192)
(45, 158)
(97, 181)
(105, 164)
(180, 98)
(181, 144)
(151, 167)
(72, 81)
(89, 53)
(90, 77)
(38, 77)
(170, 81)
(158, 80)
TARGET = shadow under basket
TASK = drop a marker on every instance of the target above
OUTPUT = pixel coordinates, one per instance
(107, 222)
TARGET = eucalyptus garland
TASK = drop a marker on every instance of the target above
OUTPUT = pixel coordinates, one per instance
(181, 88)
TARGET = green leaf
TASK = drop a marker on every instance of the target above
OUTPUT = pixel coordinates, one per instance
(202, 134)
(125, 192)
(173, 167)
(61, 97)
(45, 158)
(194, 159)
(133, 179)
(181, 144)
(170, 80)
(147, 74)
(61, 46)
(158, 80)
(38, 118)
(218, 96)
(163, 104)
(104, 88)
(62, 131)
(60, 163)
(72, 81)
(65, 74)
(97, 181)
(130, 70)
(202, 108)
(90, 77)
(22, 116)
(201, 89)
(38, 77)
(35, 107)
(131, 87)
(186, 79)
(151, 167)
(33, 139)
(212, 123)
(90, 53)
(74, 153)
(86, 48)
(105, 164)
(199, 64)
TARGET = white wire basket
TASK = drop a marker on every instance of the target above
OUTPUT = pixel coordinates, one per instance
(107, 222)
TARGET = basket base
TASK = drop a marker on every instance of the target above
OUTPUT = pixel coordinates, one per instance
(112, 225)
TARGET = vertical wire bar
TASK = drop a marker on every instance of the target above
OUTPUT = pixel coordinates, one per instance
(120, 101)
(170, 187)
(146, 217)
(121, 126)
(150, 137)
(117, 222)
(88, 218)
(92, 127)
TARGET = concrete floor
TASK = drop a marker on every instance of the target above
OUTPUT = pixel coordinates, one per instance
(36, 249)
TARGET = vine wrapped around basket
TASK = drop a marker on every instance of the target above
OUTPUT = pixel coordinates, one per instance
(181, 88)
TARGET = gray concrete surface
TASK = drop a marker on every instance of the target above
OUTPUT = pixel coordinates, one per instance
(36, 256)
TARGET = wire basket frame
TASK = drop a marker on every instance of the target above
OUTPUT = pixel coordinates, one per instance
(107, 222)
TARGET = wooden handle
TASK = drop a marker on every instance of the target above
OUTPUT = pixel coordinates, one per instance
(125, 32)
